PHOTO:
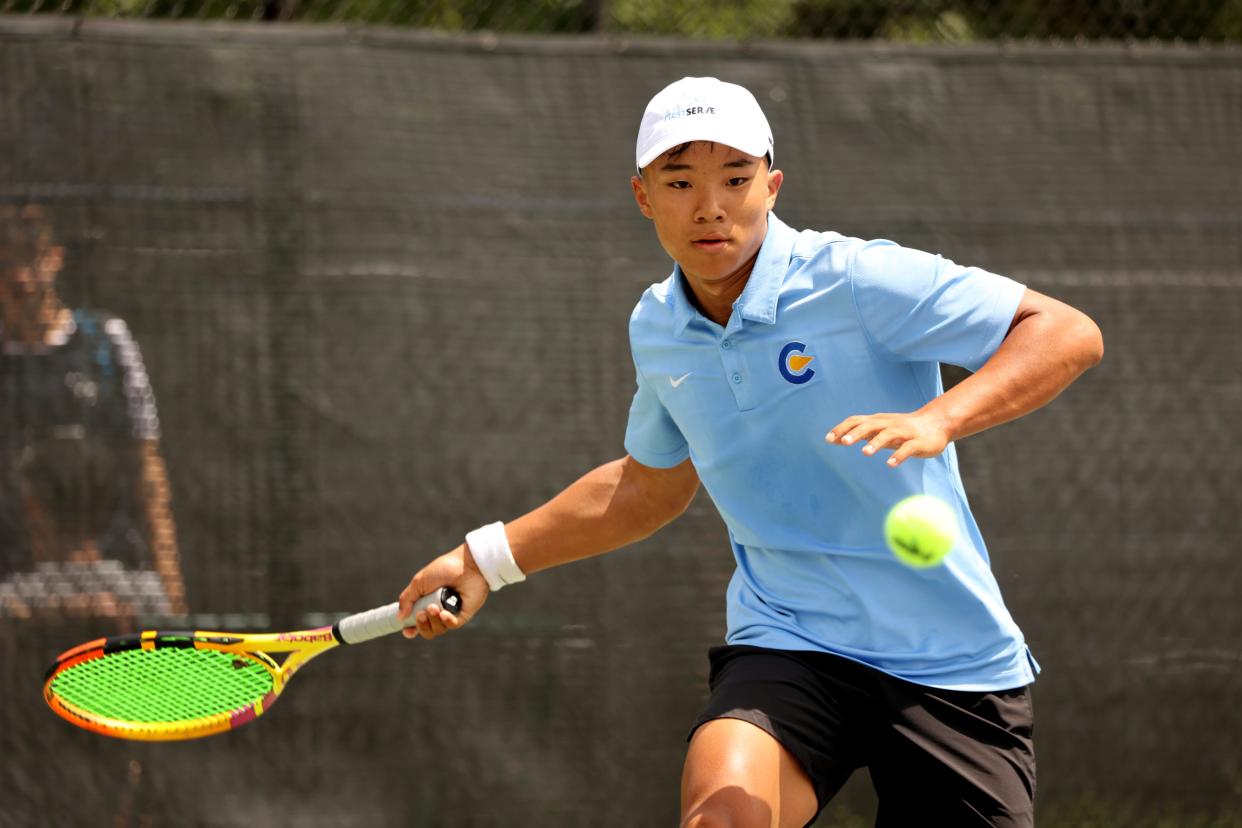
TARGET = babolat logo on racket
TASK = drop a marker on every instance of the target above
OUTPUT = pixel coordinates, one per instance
(315, 635)
(793, 363)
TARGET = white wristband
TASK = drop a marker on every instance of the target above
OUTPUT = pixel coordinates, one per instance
(489, 546)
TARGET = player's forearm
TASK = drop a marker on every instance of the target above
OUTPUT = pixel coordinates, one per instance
(614, 505)
(1045, 351)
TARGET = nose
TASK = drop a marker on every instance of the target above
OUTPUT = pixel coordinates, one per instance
(708, 210)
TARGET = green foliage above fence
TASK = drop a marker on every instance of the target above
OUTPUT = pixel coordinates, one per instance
(943, 21)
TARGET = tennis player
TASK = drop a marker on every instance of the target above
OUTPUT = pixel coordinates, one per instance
(797, 376)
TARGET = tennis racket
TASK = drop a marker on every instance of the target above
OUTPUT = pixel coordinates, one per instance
(165, 686)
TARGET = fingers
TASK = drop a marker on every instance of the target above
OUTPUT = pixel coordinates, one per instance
(449, 570)
(409, 595)
(842, 432)
(862, 427)
(908, 435)
(892, 438)
(428, 623)
(432, 622)
(904, 452)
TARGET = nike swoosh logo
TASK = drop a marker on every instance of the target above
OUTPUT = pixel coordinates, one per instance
(679, 380)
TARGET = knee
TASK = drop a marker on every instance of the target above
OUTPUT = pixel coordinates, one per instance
(728, 808)
(708, 819)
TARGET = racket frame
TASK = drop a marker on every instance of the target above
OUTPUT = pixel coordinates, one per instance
(300, 646)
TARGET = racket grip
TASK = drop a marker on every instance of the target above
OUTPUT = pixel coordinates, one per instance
(364, 626)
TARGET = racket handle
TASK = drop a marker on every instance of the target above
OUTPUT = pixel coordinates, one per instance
(364, 626)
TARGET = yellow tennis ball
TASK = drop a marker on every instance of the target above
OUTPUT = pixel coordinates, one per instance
(921, 530)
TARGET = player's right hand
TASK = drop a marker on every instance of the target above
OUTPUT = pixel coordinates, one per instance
(454, 569)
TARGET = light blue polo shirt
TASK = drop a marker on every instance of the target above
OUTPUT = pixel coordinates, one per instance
(828, 327)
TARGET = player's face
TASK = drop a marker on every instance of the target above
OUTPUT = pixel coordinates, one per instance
(709, 204)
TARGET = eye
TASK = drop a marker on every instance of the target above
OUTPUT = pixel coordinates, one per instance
(738, 182)
(679, 185)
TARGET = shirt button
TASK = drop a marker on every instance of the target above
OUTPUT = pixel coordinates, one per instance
(737, 378)
(727, 344)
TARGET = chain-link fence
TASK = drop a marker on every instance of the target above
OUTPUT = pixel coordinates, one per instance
(942, 21)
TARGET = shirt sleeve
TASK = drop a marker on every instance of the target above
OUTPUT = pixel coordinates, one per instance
(918, 307)
(144, 421)
(651, 436)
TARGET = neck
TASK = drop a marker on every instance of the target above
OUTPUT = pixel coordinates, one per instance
(714, 298)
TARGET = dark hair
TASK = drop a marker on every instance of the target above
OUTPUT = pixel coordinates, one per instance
(679, 149)
(24, 227)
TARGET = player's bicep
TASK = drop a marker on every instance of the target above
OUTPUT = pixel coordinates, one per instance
(1034, 303)
(1054, 333)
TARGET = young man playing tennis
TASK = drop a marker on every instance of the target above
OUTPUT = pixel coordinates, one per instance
(779, 369)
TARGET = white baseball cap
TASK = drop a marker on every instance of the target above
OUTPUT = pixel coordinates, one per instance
(703, 109)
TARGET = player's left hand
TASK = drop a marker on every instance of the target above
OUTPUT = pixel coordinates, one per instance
(909, 435)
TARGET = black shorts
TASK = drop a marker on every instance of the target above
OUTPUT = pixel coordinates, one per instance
(946, 757)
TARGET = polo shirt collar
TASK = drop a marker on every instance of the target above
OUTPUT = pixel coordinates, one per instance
(763, 289)
(759, 298)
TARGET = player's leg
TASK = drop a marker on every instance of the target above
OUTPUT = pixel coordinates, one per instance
(738, 775)
(964, 758)
(776, 740)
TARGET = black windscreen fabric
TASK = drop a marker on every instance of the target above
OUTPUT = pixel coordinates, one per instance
(381, 283)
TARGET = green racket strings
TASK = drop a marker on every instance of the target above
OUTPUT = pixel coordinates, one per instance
(163, 685)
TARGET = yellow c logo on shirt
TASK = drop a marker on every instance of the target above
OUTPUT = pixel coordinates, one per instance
(793, 363)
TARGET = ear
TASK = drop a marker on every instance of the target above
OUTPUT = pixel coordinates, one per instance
(640, 195)
(775, 179)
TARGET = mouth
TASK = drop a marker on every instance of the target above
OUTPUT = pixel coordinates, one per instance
(712, 242)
